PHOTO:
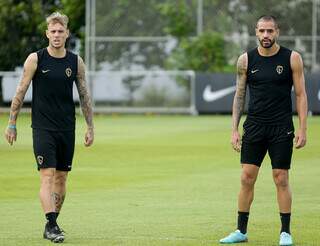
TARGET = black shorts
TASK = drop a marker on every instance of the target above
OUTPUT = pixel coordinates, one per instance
(258, 139)
(53, 149)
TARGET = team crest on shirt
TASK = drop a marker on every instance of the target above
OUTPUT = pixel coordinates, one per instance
(40, 159)
(68, 72)
(279, 69)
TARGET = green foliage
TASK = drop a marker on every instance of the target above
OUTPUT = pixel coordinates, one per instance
(20, 31)
(75, 10)
(22, 27)
(294, 16)
(180, 22)
(203, 53)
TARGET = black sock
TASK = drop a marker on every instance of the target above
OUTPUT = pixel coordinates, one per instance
(57, 214)
(51, 218)
(285, 222)
(243, 218)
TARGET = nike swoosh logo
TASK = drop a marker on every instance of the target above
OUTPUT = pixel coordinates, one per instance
(254, 71)
(210, 96)
(289, 132)
(45, 71)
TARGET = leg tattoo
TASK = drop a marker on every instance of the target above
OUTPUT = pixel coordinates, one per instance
(58, 201)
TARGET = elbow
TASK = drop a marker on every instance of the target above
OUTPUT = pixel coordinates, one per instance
(301, 96)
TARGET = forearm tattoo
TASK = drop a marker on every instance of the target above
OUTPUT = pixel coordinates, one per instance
(84, 97)
(58, 201)
(240, 96)
(17, 100)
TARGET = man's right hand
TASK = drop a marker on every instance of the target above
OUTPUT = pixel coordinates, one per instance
(11, 134)
(236, 141)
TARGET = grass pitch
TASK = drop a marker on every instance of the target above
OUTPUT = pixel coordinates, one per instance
(155, 180)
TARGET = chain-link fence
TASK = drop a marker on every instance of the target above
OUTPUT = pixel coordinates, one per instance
(133, 35)
(130, 46)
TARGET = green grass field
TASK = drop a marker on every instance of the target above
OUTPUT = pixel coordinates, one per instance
(155, 180)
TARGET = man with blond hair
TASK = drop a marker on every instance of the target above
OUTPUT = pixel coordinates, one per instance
(53, 71)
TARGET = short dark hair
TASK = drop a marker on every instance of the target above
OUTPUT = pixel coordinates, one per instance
(268, 18)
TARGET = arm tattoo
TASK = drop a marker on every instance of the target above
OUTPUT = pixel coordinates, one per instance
(17, 100)
(240, 96)
(84, 97)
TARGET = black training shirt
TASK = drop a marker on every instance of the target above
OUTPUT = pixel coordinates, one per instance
(269, 79)
(52, 92)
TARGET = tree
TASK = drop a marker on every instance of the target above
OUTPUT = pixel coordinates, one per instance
(236, 19)
(143, 18)
(75, 10)
(180, 19)
(20, 31)
(22, 27)
(205, 52)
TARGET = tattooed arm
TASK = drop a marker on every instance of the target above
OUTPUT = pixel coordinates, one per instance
(239, 100)
(85, 102)
(29, 69)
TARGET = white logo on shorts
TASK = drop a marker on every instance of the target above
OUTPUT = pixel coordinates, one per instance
(40, 159)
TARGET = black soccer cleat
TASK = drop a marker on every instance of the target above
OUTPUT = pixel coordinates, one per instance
(53, 234)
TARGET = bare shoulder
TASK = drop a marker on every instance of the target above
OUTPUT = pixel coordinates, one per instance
(81, 66)
(295, 55)
(242, 63)
(32, 58)
(296, 60)
(80, 60)
(31, 63)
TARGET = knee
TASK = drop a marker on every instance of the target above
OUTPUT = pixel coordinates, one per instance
(47, 177)
(60, 179)
(247, 179)
(281, 179)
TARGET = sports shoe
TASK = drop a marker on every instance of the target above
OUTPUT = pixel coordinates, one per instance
(285, 239)
(235, 237)
(53, 234)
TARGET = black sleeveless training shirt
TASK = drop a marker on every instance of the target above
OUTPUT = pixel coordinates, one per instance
(53, 107)
(270, 82)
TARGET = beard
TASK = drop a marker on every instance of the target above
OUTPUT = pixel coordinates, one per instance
(267, 45)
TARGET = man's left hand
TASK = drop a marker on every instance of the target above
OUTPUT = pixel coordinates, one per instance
(89, 137)
(300, 139)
